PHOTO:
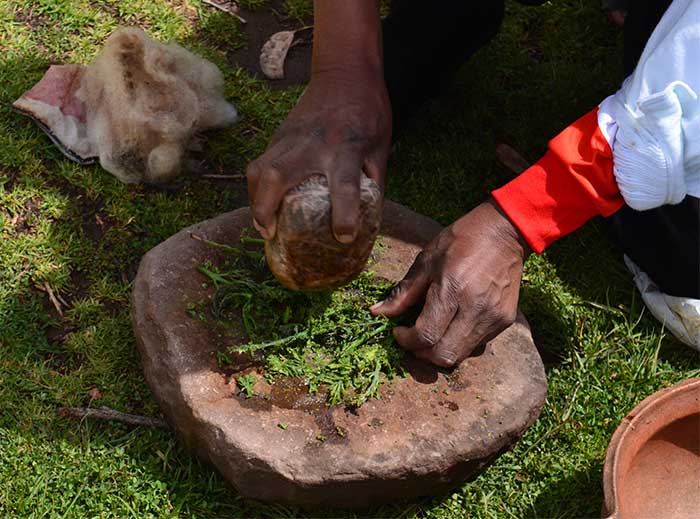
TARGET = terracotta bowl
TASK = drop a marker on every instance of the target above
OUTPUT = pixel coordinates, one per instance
(652, 468)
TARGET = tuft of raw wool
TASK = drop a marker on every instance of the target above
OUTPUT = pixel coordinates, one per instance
(145, 101)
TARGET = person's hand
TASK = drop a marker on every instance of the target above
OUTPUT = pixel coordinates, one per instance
(469, 276)
(340, 128)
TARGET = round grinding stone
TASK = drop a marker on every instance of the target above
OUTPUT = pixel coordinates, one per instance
(430, 432)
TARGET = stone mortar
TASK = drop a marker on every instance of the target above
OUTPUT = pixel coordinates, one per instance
(430, 432)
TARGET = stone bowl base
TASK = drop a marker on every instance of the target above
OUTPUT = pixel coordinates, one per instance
(430, 432)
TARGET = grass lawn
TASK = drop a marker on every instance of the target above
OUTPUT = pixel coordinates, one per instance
(82, 233)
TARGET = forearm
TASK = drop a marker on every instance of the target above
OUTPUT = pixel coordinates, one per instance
(571, 184)
(347, 37)
(639, 147)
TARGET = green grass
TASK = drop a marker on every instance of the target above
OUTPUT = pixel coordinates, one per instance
(82, 232)
(299, 9)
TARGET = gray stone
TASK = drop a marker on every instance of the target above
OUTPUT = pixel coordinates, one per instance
(430, 431)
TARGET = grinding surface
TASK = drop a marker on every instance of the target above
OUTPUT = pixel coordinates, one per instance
(430, 432)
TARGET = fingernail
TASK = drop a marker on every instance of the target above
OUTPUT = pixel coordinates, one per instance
(376, 306)
(345, 238)
(263, 232)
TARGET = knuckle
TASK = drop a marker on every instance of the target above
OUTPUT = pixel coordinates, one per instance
(490, 321)
(451, 290)
(353, 129)
(398, 290)
(260, 215)
(346, 190)
(511, 308)
(501, 317)
(482, 306)
(427, 335)
(272, 174)
(252, 170)
(508, 316)
(501, 323)
(356, 127)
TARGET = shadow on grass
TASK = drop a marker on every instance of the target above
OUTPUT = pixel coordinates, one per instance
(577, 495)
(548, 325)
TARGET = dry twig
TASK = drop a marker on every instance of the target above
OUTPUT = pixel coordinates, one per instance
(22, 273)
(52, 298)
(225, 177)
(105, 413)
(511, 159)
(197, 237)
(226, 6)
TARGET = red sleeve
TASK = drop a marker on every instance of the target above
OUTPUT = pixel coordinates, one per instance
(571, 184)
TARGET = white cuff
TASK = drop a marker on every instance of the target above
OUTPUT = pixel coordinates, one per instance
(653, 122)
(648, 147)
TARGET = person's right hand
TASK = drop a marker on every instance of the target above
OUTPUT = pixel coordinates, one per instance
(340, 128)
(469, 277)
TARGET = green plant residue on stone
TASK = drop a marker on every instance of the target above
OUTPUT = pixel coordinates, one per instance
(247, 383)
(328, 339)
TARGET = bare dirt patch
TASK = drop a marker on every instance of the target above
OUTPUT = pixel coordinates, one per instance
(30, 18)
(24, 222)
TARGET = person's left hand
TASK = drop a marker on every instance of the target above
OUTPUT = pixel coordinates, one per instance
(469, 276)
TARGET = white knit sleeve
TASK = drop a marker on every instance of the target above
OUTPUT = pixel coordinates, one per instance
(653, 122)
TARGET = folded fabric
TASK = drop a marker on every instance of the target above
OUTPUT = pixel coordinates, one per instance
(653, 122)
(571, 184)
(641, 146)
(53, 105)
(680, 315)
(136, 107)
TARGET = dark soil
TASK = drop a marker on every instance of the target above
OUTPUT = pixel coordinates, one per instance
(95, 222)
(65, 362)
(24, 222)
(31, 19)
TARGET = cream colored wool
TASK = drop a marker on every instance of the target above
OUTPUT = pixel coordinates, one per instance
(145, 101)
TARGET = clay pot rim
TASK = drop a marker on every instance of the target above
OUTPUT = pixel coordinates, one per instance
(628, 428)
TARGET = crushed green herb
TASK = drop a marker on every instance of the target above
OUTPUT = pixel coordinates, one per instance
(329, 339)
(247, 383)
